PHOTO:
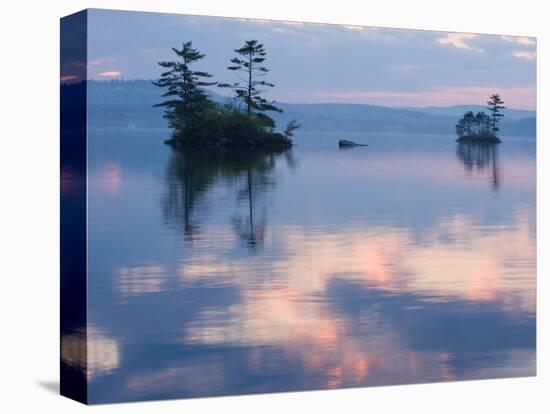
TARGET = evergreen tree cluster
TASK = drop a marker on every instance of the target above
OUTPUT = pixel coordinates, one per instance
(481, 127)
(198, 121)
(478, 125)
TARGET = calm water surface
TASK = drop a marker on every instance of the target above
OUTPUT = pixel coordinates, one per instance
(410, 260)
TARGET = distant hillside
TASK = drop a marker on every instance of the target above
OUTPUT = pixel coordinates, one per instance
(458, 110)
(370, 118)
(124, 103)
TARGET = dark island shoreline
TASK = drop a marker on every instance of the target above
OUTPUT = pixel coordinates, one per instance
(267, 142)
(476, 139)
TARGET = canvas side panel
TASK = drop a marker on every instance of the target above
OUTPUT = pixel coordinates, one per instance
(73, 364)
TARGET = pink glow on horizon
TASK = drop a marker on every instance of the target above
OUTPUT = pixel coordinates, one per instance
(515, 97)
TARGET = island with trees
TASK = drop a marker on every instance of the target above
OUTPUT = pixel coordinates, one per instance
(199, 122)
(481, 127)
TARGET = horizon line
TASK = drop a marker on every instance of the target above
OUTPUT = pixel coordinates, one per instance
(405, 107)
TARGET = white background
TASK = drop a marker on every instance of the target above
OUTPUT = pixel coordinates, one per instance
(29, 206)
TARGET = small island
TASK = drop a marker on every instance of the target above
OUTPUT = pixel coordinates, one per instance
(481, 127)
(345, 143)
(199, 122)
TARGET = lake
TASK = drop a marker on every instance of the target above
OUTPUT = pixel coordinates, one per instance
(409, 260)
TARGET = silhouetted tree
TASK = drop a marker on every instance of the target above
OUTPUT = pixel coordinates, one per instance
(474, 126)
(461, 127)
(494, 106)
(482, 123)
(250, 70)
(290, 128)
(187, 103)
(465, 126)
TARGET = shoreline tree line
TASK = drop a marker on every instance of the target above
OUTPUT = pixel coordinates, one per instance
(198, 121)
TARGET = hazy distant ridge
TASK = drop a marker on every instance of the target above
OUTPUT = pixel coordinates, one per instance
(124, 103)
(458, 111)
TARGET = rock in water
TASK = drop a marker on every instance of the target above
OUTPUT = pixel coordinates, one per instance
(347, 144)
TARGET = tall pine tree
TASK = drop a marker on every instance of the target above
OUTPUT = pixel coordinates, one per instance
(250, 69)
(494, 106)
(187, 103)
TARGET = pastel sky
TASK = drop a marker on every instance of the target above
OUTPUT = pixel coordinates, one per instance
(325, 63)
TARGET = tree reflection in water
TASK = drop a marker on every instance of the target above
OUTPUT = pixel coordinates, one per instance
(192, 174)
(480, 159)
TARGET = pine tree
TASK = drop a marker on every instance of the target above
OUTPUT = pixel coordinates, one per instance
(494, 106)
(250, 70)
(469, 118)
(482, 123)
(290, 128)
(461, 127)
(187, 103)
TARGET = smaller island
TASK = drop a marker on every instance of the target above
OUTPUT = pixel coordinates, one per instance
(481, 127)
(344, 143)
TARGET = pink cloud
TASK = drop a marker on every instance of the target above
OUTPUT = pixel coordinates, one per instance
(458, 40)
(517, 97)
(522, 40)
(522, 54)
(110, 74)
